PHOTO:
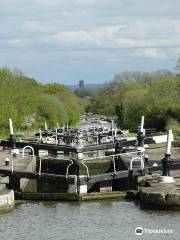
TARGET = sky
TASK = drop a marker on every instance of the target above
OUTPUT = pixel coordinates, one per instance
(67, 40)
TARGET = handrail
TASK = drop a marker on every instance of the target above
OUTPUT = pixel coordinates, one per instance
(67, 170)
(86, 168)
(28, 147)
(135, 159)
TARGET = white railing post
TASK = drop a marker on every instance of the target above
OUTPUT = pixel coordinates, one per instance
(168, 143)
(142, 124)
(45, 126)
(114, 165)
(39, 166)
(166, 161)
(11, 127)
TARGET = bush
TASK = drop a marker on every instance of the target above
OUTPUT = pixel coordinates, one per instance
(30, 103)
(130, 95)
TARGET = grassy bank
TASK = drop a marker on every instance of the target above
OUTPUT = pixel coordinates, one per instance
(30, 103)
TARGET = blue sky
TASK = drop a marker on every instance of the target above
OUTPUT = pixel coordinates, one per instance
(68, 40)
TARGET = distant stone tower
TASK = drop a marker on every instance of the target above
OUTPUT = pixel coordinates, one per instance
(81, 83)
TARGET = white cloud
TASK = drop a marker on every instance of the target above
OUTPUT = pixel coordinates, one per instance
(37, 27)
(97, 37)
(137, 34)
(17, 42)
(150, 53)
(157, 53)
(96, 31)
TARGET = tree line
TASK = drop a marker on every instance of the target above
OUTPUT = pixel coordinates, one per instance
(30, 103)
(129, 95)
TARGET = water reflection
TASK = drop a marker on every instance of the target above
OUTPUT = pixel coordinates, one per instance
(85, 220)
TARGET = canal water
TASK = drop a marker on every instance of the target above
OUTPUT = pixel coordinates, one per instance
(99, 220)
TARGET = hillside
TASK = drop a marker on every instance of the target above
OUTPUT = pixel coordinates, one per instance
(30, 103)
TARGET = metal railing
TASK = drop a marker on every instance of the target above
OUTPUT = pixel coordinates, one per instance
(137, 159)
(26, 148)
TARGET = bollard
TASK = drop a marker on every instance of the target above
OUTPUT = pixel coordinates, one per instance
(12, 141)
(118, 148)
(102, 127)
(166, 161)
(146, 158)
(7, 162)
